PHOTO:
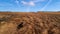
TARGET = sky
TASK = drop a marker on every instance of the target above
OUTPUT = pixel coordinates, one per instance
(29, 5)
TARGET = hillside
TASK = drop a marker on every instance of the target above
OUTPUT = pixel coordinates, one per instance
(29, 22)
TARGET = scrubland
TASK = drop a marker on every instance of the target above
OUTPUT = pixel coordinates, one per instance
(29, 22)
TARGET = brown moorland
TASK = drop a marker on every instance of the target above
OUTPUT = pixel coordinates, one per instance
(29, 22)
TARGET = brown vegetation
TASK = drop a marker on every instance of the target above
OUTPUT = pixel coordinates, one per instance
(29, 23)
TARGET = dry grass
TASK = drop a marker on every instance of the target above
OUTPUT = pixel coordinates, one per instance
(29, 23)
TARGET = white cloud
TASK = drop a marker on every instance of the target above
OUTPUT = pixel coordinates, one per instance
(31, 3)
(17, 2)
(23, 2)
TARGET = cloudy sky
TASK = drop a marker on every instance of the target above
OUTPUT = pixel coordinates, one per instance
(29, 5)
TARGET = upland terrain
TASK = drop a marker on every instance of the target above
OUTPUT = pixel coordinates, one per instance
(29, 22)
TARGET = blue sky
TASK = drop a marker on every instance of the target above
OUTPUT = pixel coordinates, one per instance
(29, 5)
